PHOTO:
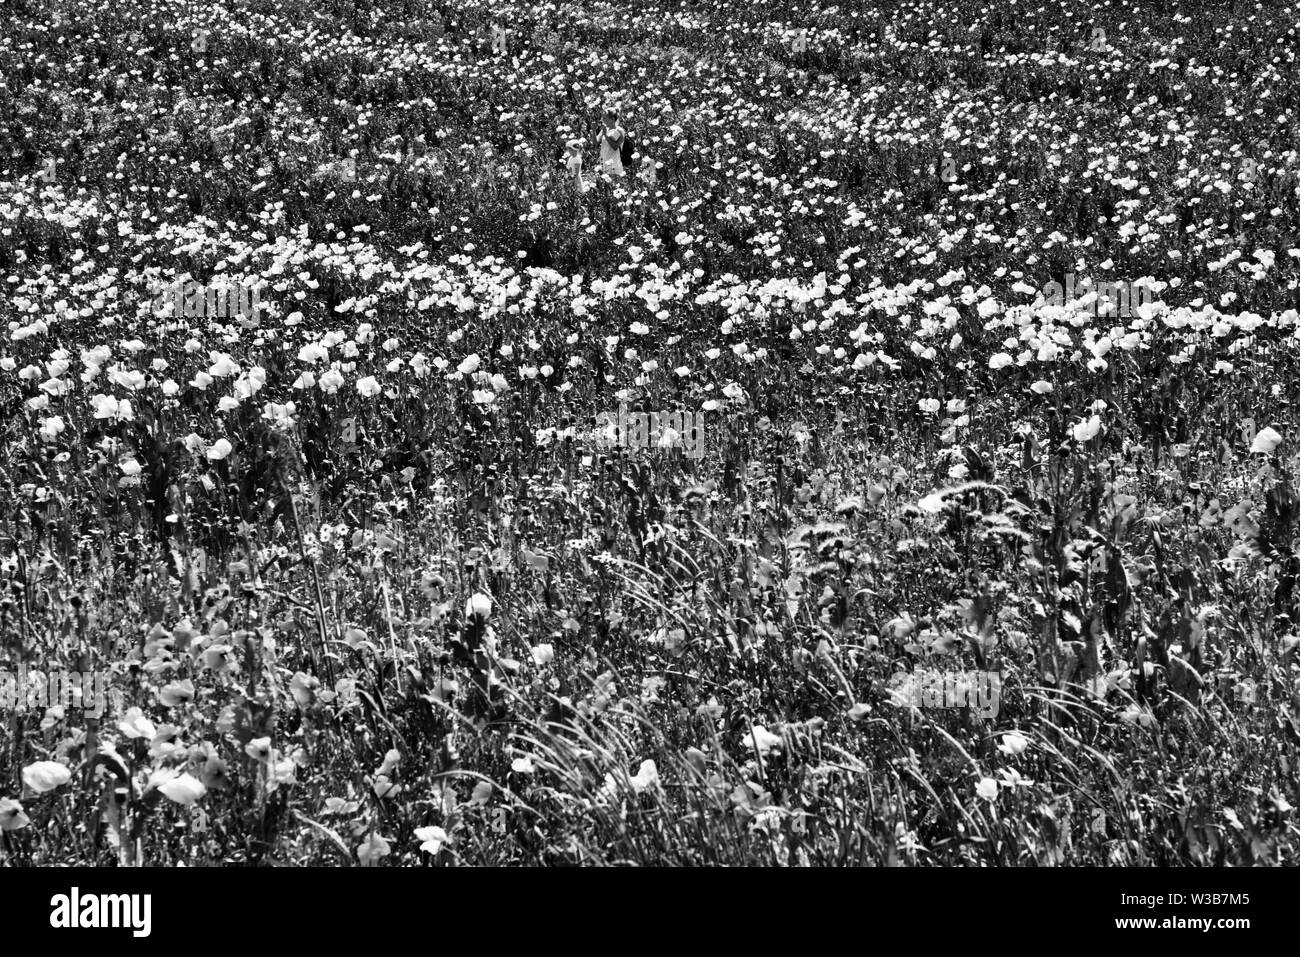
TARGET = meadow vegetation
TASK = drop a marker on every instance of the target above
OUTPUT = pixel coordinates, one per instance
(370, 591)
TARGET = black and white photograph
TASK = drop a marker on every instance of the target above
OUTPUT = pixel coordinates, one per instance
(650, 434)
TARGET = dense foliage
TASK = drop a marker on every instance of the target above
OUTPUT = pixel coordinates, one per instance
(368, 587)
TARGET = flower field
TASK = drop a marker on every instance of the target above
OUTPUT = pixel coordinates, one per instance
(342, 433)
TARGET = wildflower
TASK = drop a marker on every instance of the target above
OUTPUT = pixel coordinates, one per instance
(762, 740)
(176, 692)
(431, 839)
(1266, 440)
(1087, 429)
(222, 366)
(932, 504)
(12, 817)
(185, 789)
(135, 725)
(46, 776)
(108, 407)
(330, 382)
(372, 850)
(646, 777)
(479, 606)
(51, 427)
(1013, 743)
